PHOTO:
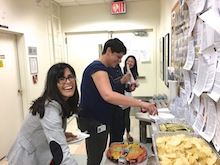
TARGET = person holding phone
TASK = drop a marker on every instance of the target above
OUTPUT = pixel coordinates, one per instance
(130, 66)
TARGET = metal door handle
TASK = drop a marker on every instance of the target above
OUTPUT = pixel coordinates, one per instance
(20, 91)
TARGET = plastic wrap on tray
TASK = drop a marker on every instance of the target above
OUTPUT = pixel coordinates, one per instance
(183, 148)
(126, 153)
(172, 125)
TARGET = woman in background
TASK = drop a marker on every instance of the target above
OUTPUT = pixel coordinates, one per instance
(130, 62)
(42, 139)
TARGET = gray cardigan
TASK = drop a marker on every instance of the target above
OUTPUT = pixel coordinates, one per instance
(31, 146)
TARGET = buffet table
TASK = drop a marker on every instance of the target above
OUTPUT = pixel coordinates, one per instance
(144, 127)
(145, 121)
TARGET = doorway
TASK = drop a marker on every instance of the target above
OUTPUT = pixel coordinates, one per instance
(84, 47)
(141, 44)
(11, 99)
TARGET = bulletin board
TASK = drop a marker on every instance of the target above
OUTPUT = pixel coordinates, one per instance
(179, 39)
(195, 52)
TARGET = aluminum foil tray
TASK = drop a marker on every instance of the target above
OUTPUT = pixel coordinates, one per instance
(173, 155)
(181, 126)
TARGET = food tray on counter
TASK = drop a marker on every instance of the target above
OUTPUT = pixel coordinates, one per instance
(172, 125)
(127, 153)
(183, 148)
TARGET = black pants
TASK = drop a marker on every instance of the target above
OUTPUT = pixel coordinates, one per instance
(117, 125)
(127, 120)
(96, 143)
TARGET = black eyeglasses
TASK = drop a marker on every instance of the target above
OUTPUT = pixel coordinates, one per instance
(63, 80)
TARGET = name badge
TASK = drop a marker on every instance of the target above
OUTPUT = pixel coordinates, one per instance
(101, 128)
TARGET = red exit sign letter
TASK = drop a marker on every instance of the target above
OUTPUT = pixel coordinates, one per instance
(118, 7)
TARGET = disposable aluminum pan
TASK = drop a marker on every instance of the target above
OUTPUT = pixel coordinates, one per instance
(173, 121)
(163, 134)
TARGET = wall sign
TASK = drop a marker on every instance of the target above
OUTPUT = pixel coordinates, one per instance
(118, 7)
(2, 57)
(32, 50)
(1, 64)
(33, 65)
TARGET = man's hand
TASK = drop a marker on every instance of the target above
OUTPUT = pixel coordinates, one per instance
(149, 107)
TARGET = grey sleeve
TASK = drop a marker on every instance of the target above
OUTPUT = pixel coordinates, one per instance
(52, 126)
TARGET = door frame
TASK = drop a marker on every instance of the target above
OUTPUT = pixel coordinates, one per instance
(22, 66)
(138, 32)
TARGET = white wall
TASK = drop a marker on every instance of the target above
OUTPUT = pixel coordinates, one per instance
(140, 15)
(165, 27)
(30, 21)
(143, 14)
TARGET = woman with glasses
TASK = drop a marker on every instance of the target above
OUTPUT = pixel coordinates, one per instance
(98, 100)
(41, 139)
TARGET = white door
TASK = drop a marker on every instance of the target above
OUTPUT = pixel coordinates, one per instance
(10, 99)
(82, 49)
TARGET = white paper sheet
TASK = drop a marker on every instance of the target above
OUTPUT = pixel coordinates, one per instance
(200, 5)
(208, 36)
(195, 7)
(197, 35)
(163, 113)
(195, 103)
(212, 18)
(143, 116)
(215, 92)
(80, 136)
(211, 59)
(163, 110)
(191, 115)
(183, 97)
(201, 78)
(192, 15)
(206, 71)
(190, 55)
(162, 116)
(210, 3)
(210, 122)
(200, 118)
(217, 3)
(216, 139)
(192, 84)
(187, 84)
(172, 90)
(195, 67)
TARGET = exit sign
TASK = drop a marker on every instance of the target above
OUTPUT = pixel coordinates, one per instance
(118, 7)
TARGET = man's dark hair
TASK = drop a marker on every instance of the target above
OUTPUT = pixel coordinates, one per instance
(116, 45)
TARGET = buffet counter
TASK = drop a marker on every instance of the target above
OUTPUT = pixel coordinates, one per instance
(146, 120)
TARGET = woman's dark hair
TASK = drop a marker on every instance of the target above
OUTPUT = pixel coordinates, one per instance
(51, 92)
(116, 45)
(134, 69)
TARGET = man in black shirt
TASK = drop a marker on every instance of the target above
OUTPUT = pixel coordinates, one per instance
(117, 124)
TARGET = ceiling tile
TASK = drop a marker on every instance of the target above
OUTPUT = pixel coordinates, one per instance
(84, 2)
